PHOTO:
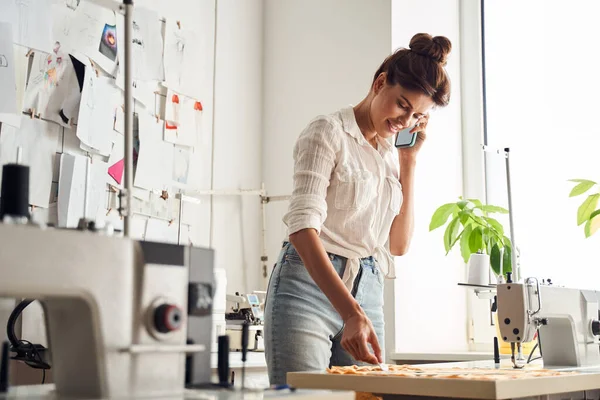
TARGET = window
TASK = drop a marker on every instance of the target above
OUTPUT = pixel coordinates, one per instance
(542, 100)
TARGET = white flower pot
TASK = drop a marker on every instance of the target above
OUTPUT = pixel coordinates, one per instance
(478, 269)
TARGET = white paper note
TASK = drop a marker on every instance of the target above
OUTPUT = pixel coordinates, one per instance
(187, 56)
(63, 13)
(31, 22)
(181, 164)
(97, 112)
(155, 161)
(8, 85)
(147, 45)
(143, 91)
(184, 119)
(74, 172)
(21, 64)
(38, 141)
(158, 230)
(52, 87)
(94, 33)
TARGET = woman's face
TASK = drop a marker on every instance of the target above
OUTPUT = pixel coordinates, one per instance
(395, 108)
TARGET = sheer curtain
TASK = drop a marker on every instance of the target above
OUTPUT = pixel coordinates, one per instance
(542, 76)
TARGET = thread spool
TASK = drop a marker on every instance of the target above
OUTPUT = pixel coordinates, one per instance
(14, 194)
(223, 360)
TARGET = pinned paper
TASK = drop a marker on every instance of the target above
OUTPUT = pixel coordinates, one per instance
(116, 171)
(155, 162)
(187, 60)
(53, 87)
(97, 112)
(93, 32)
(72, 197)
(147, 45)
(31, 25)
(183, 116)
(181, 164)
(21, 65)
(8, 86)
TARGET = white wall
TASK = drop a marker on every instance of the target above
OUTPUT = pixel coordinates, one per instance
(237, 139)
(430, 307)
(319, 56)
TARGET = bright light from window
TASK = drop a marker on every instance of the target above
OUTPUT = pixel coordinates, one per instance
(542, 62)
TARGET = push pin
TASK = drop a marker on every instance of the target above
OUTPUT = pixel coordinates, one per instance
(164, 195)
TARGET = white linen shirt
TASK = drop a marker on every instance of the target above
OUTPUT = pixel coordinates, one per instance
(346, 190)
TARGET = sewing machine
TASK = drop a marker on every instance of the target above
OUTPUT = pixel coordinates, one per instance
(567, 321)
(245, 308)
(116, 309)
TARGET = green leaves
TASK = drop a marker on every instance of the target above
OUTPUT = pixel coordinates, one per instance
(489, 208)
(496, 259)
(465, 250)
(585, 210)
(450, 234)
(507, 260)
(479, 233)
(440, 216)
(583, 186)
(593, 224)
(587, 213)
(476, 240)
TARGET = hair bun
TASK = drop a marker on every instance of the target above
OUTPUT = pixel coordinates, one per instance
(436, 48)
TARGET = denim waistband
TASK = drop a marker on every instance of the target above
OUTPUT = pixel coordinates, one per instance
(365, 261)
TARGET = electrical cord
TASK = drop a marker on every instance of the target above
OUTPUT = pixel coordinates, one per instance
(537, 345)
(29, 353)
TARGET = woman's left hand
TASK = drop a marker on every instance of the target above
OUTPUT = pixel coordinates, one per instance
(421, 128)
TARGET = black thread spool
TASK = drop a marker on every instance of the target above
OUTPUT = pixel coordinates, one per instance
(14, 194)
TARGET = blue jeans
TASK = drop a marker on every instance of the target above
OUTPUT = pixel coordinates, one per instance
(303, 331)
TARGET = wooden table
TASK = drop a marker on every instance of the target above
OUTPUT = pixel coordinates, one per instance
(392, 387)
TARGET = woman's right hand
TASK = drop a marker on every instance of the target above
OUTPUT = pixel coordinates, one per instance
(358, 331)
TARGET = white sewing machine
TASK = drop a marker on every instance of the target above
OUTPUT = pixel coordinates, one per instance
(567, 320)
(116, 309)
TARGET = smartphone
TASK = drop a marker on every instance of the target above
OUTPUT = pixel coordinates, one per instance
(406, 139)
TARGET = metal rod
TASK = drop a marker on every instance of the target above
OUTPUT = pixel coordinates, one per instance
(264, 256)
(128, 134)
(513, 253)
(86, 195)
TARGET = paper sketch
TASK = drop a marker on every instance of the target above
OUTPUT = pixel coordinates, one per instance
(21, 64)
(155, 162)
(183, 117)
(93, 32)
(181, 164)
(8, 84)
(31, 26)
(187, 58)
(147, 48)
(143, 91)
(63, 13)
(97, 112)
(39, 141)
(53, 87)
(158, 230)
(72, 197)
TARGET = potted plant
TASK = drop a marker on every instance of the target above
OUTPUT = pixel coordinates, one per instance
(468, 223)
(587, 212)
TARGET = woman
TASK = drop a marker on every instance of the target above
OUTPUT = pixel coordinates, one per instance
(351, 210)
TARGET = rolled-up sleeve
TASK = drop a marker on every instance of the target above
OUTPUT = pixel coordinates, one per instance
(314, 160)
